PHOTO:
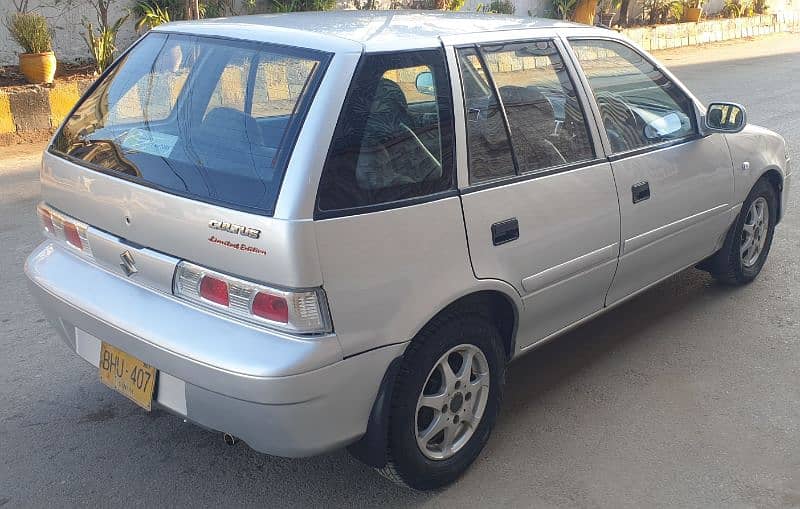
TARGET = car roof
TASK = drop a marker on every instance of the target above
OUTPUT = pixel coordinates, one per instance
(368, 30)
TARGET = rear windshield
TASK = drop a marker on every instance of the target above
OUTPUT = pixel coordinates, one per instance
(211, 119)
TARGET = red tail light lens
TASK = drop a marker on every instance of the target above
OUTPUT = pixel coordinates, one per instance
(215, 290)
(47, 219)
(271, 307)
(71, 235)
(66, 229)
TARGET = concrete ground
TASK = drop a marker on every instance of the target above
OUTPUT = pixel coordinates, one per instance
(686, 396)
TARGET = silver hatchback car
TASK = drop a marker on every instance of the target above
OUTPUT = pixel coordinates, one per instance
(322, 230)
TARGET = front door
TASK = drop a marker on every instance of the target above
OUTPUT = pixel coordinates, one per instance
(675, 186)
(541, 208)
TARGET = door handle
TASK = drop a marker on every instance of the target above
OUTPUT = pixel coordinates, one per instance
(640, 191)
(505, 231)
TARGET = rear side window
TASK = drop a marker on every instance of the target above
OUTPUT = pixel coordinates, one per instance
(490, 155)
(547, 123)
(537, 110)
(210, 119)
(394, 137)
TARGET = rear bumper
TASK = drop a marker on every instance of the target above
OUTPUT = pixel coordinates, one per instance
(280, 394)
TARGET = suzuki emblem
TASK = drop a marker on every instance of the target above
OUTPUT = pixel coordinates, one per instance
(128, 265)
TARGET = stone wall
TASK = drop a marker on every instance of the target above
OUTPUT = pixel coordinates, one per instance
(689, 34)
(32, 112)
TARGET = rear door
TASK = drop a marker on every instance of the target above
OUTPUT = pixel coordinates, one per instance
(674, 185)
(388, 219)
(540, 204)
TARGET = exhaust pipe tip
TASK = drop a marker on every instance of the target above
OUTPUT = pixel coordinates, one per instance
(229, 439)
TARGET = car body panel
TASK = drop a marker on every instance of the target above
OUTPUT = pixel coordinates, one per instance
(370, 30)
(686, 216)
(179, 226)
(139, 319)
(566, 254)
(762, 150)
(270, 390)
(388, 273)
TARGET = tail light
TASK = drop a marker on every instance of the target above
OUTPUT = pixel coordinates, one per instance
(295, 311)
(214, 290)
(64, 228)
(271, 307)
(47, 219)
(72, 235)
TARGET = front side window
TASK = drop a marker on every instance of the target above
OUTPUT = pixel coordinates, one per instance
(638, 104)
(211, 119)
(547, 124)
(393, 140)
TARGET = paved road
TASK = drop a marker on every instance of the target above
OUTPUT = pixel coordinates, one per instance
(687, 396)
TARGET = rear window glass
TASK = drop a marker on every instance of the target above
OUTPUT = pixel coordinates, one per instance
(206, 118)
(394, 138)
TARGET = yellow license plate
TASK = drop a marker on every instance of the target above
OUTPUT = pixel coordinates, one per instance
(127, 375)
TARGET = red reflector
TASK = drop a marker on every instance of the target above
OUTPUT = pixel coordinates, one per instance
(271, 307)
(215, 290)
(47, 220)
(71, 234)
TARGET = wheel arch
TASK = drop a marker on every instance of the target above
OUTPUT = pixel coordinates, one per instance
(774, 177)
(503, 308)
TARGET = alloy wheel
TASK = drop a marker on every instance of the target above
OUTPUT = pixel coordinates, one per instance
(754, 232)
(452, 402)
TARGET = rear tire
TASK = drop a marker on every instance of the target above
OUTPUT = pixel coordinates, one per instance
(749, 239)
(425, 461)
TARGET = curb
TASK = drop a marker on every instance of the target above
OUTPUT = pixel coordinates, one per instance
(30, 113)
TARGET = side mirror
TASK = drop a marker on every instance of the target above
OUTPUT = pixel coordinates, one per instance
(424, 83)
(725, 118)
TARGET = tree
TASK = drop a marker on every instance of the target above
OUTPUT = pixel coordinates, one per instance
(101, 6)
(623, 12)
(192, 9)
(585, 11)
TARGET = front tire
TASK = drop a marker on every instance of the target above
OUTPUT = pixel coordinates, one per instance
(445, 401)
(748, 242)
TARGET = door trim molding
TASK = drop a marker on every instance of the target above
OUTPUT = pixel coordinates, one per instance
(649, 237)
(563, 271)
(589, 317)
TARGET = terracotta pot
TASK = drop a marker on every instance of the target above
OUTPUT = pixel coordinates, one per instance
(692, 14)
(38, 67)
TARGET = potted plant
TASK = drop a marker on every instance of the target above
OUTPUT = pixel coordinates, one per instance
(734, 8)
(608, 9)
(151, 14)
(31, 32)
(692, 10)
(562, 9)
(103, 43)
